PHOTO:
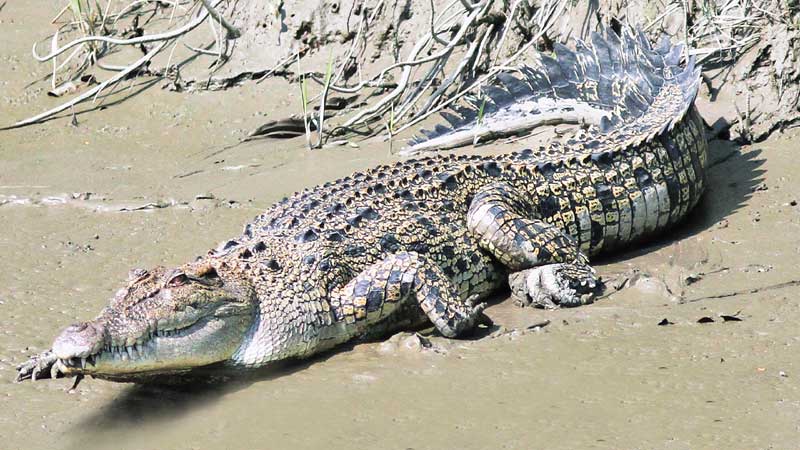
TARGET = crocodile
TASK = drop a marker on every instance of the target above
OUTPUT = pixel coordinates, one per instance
(425, 241)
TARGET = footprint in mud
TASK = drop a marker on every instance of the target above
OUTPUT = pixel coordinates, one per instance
(410, 343)
(642, 286)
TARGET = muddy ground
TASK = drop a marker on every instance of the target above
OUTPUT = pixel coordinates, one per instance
(149, 181)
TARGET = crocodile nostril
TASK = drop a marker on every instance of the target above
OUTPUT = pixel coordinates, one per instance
(79, 341)
(78, 327)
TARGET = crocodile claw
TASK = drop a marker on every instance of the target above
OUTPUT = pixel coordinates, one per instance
(480, 318)
(555, 285)
(45, 363)
(472, 300)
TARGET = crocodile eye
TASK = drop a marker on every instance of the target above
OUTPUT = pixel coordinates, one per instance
(178, 280)
(208, 272)
(136, 274)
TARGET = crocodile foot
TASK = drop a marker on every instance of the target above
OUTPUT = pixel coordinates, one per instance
(43, 365)
(478, 317)
(555, 285)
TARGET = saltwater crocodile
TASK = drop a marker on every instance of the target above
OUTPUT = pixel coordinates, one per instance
(421, 241)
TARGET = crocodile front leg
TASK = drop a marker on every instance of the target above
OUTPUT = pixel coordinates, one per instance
(379, 290)
(549, 268)
(43, 365)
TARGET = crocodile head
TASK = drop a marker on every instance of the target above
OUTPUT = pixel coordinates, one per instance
(164, 321)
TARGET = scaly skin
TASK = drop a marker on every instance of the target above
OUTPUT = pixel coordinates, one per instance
(399, 246)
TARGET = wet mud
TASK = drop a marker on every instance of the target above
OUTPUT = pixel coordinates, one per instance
(153, 180)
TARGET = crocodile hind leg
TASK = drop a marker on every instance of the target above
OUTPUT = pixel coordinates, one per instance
(380, 289)
(548, 268)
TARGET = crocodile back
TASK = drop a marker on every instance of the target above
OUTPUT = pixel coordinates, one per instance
(634, 173)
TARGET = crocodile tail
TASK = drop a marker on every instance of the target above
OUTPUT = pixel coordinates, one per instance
(619, 84)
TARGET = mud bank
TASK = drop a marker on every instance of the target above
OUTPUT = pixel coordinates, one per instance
(153, 181)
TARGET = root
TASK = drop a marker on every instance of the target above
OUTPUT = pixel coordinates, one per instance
(102, 37)
(476, 36)
(464, 44)
(429, 80)
(94, 92)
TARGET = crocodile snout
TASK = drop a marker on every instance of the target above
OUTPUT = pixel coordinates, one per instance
(79, 340)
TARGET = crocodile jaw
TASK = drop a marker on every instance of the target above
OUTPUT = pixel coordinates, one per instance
(208, 341)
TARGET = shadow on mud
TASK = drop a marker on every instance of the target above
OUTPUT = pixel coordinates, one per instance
(140, 404)
(732, 179)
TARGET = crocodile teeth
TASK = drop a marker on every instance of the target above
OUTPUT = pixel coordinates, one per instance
(166, 333)
(54, 369)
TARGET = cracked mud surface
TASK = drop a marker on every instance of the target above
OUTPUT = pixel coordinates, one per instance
(149, 181)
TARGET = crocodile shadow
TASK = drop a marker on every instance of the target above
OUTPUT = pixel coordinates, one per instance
(140, 404)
